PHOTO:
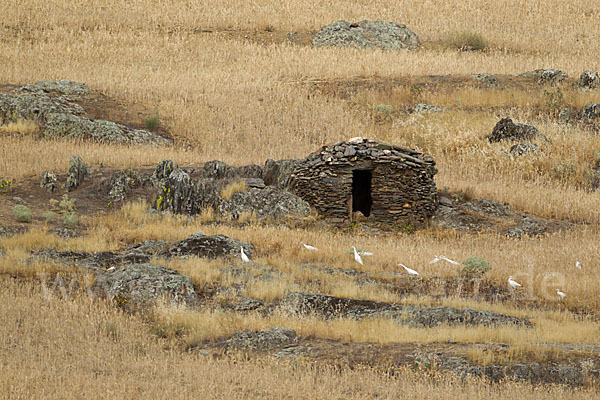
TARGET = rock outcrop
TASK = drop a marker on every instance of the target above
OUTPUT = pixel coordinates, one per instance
(272, 339)
(49, 181)
(53, 105)
(144, 284)
(367, 34)
(588, 80)
(335, 307)
(77, 173)
(545, 76)
(507, 130)
(209, 246)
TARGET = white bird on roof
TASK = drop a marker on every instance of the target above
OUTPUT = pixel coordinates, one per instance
(309, 247)
(577, 264)
(439, 258)
(512, 283)
(244, 256)
(357, 256)
(357, 139)
(409, 270)
(560, 294)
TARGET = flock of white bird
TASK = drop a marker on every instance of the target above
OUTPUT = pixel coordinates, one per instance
(357, 257)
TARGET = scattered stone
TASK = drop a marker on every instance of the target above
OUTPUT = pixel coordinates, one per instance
(545, 76)
(94, 261)
(122, 183)
(367, 34)
(487, 79)
(506, 129)
(588, 80)
(269, 203)
(395, 184)
(591, 111)
(421, 108)
(77, 173)
(150, 247)
(275, 338)
(565, 116)
(523, 148)
(66, 233)
(249, 305)
(144, 284)
(209, 247)
(526, 226)
(49, 181)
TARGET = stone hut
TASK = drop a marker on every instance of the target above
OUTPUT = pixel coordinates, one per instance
(385, 183)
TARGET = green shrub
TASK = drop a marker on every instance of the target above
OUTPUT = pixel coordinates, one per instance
(467, 41)
(64, 206)
(70, 220)
(475, 267)
(22, 213)
(151, 122)
(383, 113)
(48, 215)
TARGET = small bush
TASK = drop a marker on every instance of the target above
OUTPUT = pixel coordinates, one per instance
(232, 189)
(467, 41)
(22, 213)
(70, 220)
(554, 100)
(151, 122)
(64, 206)
(475, 267)
(48, 215)
(383, 113)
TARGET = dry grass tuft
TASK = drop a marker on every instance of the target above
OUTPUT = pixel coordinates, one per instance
(232, 189)
(20, 126)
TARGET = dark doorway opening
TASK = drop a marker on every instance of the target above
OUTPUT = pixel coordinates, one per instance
(361, 192)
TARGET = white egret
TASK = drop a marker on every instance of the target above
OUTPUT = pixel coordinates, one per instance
(244, 256)
(512, 283)
(577, 264)
(309, 247)
(409, 270)
(560, 294)
(440, 258)
(357, 256)
(365, 253)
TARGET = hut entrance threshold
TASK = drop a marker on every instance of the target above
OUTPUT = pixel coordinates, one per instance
(361, 192)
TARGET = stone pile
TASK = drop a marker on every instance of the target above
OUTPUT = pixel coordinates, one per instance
(402, 185)
(367, 34)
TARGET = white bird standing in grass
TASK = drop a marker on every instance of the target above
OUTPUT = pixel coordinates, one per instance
(409, 270)
(309, 247)
(357, 256)
(439, 258)
(365, 253)
(577, 264)
(512, 283)
(560, 294)
(244, 256)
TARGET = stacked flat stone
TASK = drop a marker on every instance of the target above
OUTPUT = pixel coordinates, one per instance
(402, 184)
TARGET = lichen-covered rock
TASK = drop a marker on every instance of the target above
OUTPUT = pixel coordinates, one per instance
(367, 34)
(520, 149)
(277, 173)
(49, 181)
(272, 339)
(506, 129)
(591, 111)
(200, 245)
(34, 107)
(78, 172)
(74, 126)
(545, 76)
(179, 194)
(62, 86)
(94, 261)
(144, 284)
(122, 183)
(487, 79)
(588, 80)
(565, 116)
(421, 108)
(271, 202)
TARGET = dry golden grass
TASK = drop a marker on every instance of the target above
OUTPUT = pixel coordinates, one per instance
(56, 348)
(232, 189)
(20, 126)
